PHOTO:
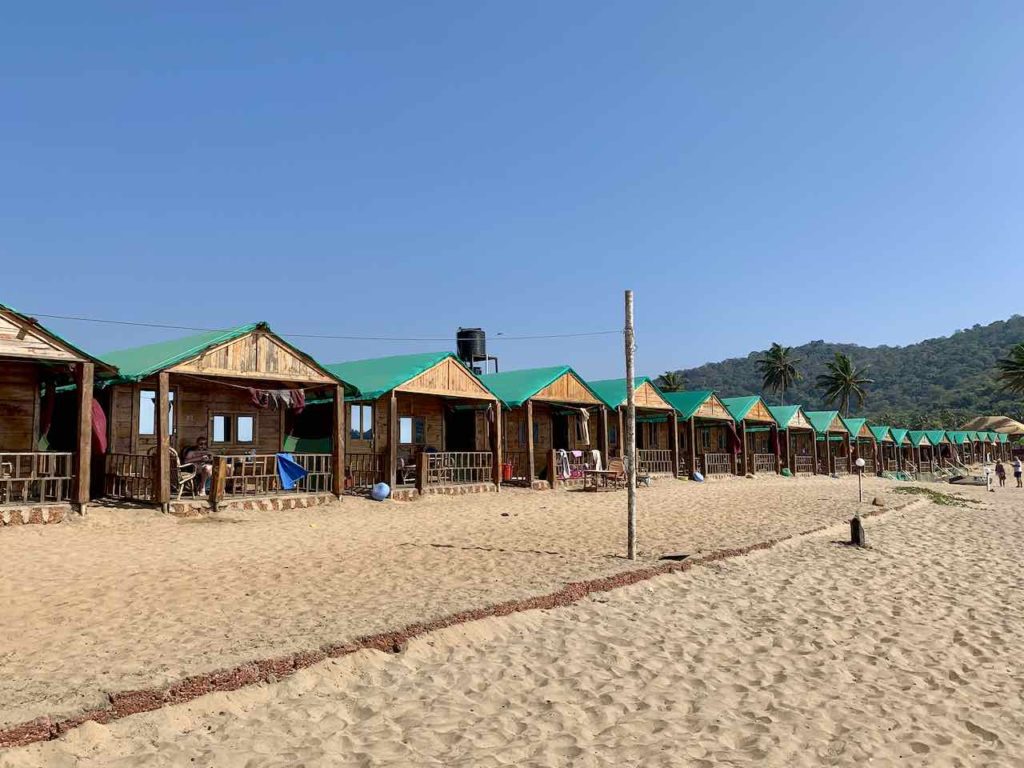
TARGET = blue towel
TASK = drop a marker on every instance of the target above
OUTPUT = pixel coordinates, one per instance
(289, 472)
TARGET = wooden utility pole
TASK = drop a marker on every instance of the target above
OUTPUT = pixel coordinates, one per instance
(630, 442)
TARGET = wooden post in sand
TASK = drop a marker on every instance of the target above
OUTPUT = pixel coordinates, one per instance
(630, 442)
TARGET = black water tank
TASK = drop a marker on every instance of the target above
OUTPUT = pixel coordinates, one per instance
(471, 344)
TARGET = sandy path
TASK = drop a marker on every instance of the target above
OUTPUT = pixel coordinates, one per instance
(129, 599)
(809, 654)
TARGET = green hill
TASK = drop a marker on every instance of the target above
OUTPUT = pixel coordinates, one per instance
(938, 383)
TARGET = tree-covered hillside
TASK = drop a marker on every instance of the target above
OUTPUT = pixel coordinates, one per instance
(936, 383)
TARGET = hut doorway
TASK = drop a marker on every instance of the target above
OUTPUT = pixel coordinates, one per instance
(460, 430)
(560, 431)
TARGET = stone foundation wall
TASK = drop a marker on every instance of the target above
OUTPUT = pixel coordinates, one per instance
(194, 508)
(410, 494)
(34, 514)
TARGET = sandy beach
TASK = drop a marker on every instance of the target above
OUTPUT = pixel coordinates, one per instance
(811, 653)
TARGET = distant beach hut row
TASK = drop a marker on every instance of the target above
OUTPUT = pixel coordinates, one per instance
(280, 429)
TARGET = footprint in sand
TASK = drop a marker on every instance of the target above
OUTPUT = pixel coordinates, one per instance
(977, 730)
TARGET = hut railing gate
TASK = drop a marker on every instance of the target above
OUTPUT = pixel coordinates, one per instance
(718, 463)
(257, 474)
(35, 477)
(364, 469)
(654, 460)
(764, 462)
(129, 476)
(804, 465)
(457, 467)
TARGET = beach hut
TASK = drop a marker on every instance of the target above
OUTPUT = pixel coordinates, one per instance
(862, 443)
(904, 449)
(657, 424)
(924, 451)
(1004, 445)
(888, 460)
(707, 433)
(797, 444)
(942, 449)
(833, 442)
(239, 390)
(758, 434)
(422, 423)
(47, 415)
(555, 426)
(959, 446)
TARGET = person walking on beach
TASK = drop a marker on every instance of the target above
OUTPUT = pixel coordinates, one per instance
(1001, 474)
(1016, 472)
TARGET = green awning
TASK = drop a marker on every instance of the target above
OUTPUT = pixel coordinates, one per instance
(759, 429)
(514, 388)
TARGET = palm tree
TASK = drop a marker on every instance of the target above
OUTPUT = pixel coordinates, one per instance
(778, 369)
(1010, 370)
(672, 381)
(843, 382)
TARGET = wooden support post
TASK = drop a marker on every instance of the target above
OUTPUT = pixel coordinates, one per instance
(338, 442)
(422, 471)
(746, 449)
(83, 456)
(531, 464)
(849, 453)
(693, 445)
(814, 449)
(674, 442)
(778, 449)
(496, 444)
(918, 453)
(629, 444)
(218, 480)
(621, 442)
(552, 469)
(605, 444)
(393, 436)
(162, 469)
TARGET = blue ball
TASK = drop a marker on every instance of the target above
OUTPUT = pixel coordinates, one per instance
(380, 491)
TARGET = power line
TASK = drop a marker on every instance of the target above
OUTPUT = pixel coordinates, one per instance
(165, 326)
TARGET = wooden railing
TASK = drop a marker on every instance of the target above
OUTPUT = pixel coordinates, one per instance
(891, 465)
(35, 477)
(257, 474)
(869, 466)
(764, 462)
(654, 461)
(684, 467)
(456, 467)
(718, 464)
(129, 476)
(520, 461)
(362, 470)
(804, 465)
(842, 465)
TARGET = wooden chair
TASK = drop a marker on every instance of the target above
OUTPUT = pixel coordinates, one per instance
(616, 473)
(182, 475)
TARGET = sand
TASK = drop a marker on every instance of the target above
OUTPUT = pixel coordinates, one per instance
(129, 599)
(811, 653)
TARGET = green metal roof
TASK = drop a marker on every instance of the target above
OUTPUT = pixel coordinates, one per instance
(854, 425)
(990, 436)
(974, 436)
(739, 407)
(955, 437)
(1003, 437)
(783, 414)
(377, 376)
(898, 434)
(881, 432)
(821, 420)
(514, 388)
(137, 363)
(612, 392)
(687, 402)
(935, 436)
(919, 437)
(57, 337)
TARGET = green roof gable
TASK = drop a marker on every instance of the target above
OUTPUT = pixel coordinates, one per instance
(821, 420)
(935, 436)
(612, 392)
(514, 388)
(881, 432)
(137, 363)
(739, 407)
(919, 437)
(783, 414)
(1003, 437)
(899, 434)
(377, 376)
(687, 402)
(854, 425)
(955, 437)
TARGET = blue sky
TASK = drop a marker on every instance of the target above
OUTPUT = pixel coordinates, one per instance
(755, 172)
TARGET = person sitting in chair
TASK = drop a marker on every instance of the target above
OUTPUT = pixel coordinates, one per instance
(199, 455)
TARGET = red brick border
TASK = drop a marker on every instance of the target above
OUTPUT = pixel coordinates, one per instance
(124, 703)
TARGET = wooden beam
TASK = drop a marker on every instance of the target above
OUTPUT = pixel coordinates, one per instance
(693, 445)
(338, 442)
(778, 448)
(496, 444)
(393, 436)
(746, 449)
(622, 433)
(553, 478)
(605, 444)
(217, 481)
(814, 448)
(673, 422)
(163, 442)
(530, 463)
(84, 373)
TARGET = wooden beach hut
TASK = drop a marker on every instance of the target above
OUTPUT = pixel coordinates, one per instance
(422, 423)
(888, 458)
(707, 433)
(657, 424)
(904, 450)
(240, 390)
(1004, 445)
(941, 448)
(46, 421)
(758, 434)
(548, 411)
(862, 444)
(924, 454)
(797, 444)
(959, 445)
(833, 442)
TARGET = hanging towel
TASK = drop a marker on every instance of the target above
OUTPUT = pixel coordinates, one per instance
(562, 461)
(584, 425)
(260, 398)
(595, 459)
(298, 400)
(99, 429)
(288, 471)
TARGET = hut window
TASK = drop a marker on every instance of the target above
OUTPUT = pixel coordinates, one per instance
(705, 439)
(221, 432)
(244, 428)
(147, 412)
(411, 431)
(361, 422)
(232, 428)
